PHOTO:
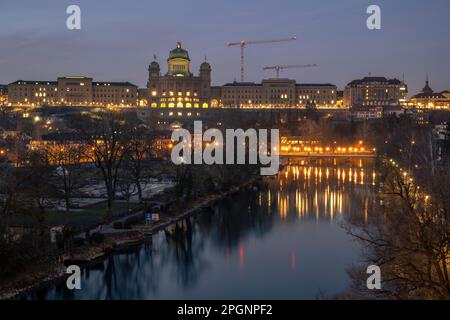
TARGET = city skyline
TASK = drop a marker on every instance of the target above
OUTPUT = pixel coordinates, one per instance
(41, 48)
(196, 151)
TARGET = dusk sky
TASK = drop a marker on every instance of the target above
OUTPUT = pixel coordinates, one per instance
(118, 39)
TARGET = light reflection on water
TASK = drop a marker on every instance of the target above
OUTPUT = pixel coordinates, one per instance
(281, 241)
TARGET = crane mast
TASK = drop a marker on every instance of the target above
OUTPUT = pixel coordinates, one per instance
(242, 44)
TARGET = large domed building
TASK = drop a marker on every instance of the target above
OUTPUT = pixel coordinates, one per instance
(179, 88)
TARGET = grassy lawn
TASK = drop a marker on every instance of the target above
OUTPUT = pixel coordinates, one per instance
(80, 219)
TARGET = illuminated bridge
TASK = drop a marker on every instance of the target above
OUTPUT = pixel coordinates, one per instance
(296, 147)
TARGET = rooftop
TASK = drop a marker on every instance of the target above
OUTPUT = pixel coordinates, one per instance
(35, 82)
(366, 80)
(242, 84)
(128, 84)
(315, 85)
(125, 84)
(254, 84)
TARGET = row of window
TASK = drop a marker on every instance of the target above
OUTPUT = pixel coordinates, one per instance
(179, 105)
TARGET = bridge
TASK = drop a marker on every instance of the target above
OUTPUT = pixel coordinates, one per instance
(296, 147)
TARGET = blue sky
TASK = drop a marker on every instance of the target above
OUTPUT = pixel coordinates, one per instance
(118, 39)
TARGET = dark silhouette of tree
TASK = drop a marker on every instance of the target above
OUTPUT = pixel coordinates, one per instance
(107, 148)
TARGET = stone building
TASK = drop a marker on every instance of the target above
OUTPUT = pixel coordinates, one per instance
(430, 99)
(179, 88)
(276, 93)
(72, 91)
(375, 91)
(3, 94)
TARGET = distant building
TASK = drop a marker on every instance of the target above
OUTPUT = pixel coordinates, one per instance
(178, 88)
(3, 94)
(360, 113)
(375, 91)
(430, 99)
(72, 91)
(446, 94)
(276, 93)
(340, 99)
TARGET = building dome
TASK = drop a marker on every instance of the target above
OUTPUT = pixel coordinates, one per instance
(205, 66)
(178, 53)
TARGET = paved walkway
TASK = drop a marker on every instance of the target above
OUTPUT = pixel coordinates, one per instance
(109, 227)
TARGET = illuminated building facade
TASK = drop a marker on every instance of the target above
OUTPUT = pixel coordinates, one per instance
(3, 94)
(375, 91)
(276, 93)
(72, 91)
(430, 99)
(179, 89)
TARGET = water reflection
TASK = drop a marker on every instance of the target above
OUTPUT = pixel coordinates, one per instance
(321, 189)
(282, 240)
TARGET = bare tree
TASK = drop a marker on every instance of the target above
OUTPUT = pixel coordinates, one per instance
(139, 148)
(107, 142)
(67, 158)
(409, 237)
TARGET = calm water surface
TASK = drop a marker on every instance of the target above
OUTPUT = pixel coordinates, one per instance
(284, 241)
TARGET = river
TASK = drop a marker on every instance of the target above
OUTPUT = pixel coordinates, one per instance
(285, 240)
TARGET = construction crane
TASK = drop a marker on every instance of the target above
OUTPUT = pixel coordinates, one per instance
(292, 66)
(244, 43)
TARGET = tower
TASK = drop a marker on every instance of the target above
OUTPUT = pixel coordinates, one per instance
(205, 71)
(154, 70)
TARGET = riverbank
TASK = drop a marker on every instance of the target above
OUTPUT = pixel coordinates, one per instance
(113, 240)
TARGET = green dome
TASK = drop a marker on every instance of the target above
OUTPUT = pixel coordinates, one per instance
(179, 53)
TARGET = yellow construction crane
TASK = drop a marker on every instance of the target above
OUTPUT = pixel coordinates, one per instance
(292, 66)
(244, 43)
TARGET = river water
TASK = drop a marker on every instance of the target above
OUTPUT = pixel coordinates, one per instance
(285, 240)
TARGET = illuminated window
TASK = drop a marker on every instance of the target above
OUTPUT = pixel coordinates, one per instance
(163, 105)
(154, 105)
(153, 93)
(180, 105)
(171, 105)
(195, 105)
(205, 105)
(188, 105)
